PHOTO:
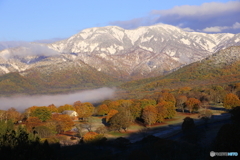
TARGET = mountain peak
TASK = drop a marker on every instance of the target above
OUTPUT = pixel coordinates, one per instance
(141, 52)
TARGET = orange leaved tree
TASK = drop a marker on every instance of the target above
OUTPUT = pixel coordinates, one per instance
(121, 120)
(110, 114)
(33, 122)
(180, 102)
(65, 107)
(230, 101)
(91, 137)
(29, 110)
(149, 114)
(52, 108)
(102, 109)
(168, 97)
(84, 110)
(193, 104)
(136, 109)
(61, 122)
(13, 114)
(161, 111)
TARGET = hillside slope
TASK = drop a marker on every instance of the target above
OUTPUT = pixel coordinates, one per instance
(222, 67)
(45, 81)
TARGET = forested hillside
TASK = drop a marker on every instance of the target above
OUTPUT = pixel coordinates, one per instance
(222, 68)
(36, 82)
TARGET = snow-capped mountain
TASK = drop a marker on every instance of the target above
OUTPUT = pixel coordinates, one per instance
(142, 52)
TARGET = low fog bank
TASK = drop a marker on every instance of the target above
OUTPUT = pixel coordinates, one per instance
(23, 102)
(31, 49)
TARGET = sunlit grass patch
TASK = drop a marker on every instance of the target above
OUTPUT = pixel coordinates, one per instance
(135, 127)
(117, 134)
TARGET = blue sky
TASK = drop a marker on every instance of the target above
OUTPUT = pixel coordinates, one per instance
(46, 20)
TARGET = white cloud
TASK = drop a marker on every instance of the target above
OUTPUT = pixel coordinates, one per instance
(208, 17)
(206, 9)
(236, 25)
(221, 28)
(30, 49)
(12, 44)
(187, 29)
(214, 29)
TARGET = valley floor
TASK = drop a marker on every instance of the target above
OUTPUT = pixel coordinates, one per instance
(170, 128)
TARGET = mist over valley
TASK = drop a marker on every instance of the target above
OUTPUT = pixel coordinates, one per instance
(22, 102)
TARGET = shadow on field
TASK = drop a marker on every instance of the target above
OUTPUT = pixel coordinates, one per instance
(218, 109)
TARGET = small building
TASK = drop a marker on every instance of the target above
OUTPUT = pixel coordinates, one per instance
(72, 114)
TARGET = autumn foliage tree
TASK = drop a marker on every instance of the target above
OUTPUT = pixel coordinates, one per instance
(113, 104)
(180, 100)
(217, 94)
(52, 125)
(102, 109)
(52, 108)
(193, 104)
(167, 100)
(110, 114)
(13, 114)
(121, 120)
(184, 90)
(29, 111)
(3, 115)
(77, 103)
(161, 111)
(33, 122)
(171, 110)
(168, 97)
(65, 107)
(230, 101)
(43, 113)
(61, 122)
(136, 109)
(84, 110)
(125, 103)
(147, 102)
(92, 137)
(149, 114)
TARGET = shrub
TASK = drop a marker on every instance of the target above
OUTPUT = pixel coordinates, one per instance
(93, 137)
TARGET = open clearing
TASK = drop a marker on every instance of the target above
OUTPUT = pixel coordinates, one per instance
(138, 130)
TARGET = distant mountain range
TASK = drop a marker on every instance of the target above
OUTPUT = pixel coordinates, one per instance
(113, 53)
(221, 68)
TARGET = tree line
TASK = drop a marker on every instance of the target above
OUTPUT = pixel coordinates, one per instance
(120, 114)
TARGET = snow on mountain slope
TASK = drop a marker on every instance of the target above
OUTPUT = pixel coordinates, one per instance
(142, 52)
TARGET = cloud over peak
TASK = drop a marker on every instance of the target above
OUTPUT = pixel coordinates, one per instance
(206, 9)
(29, 49)
(221, 28)
(208, 17)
